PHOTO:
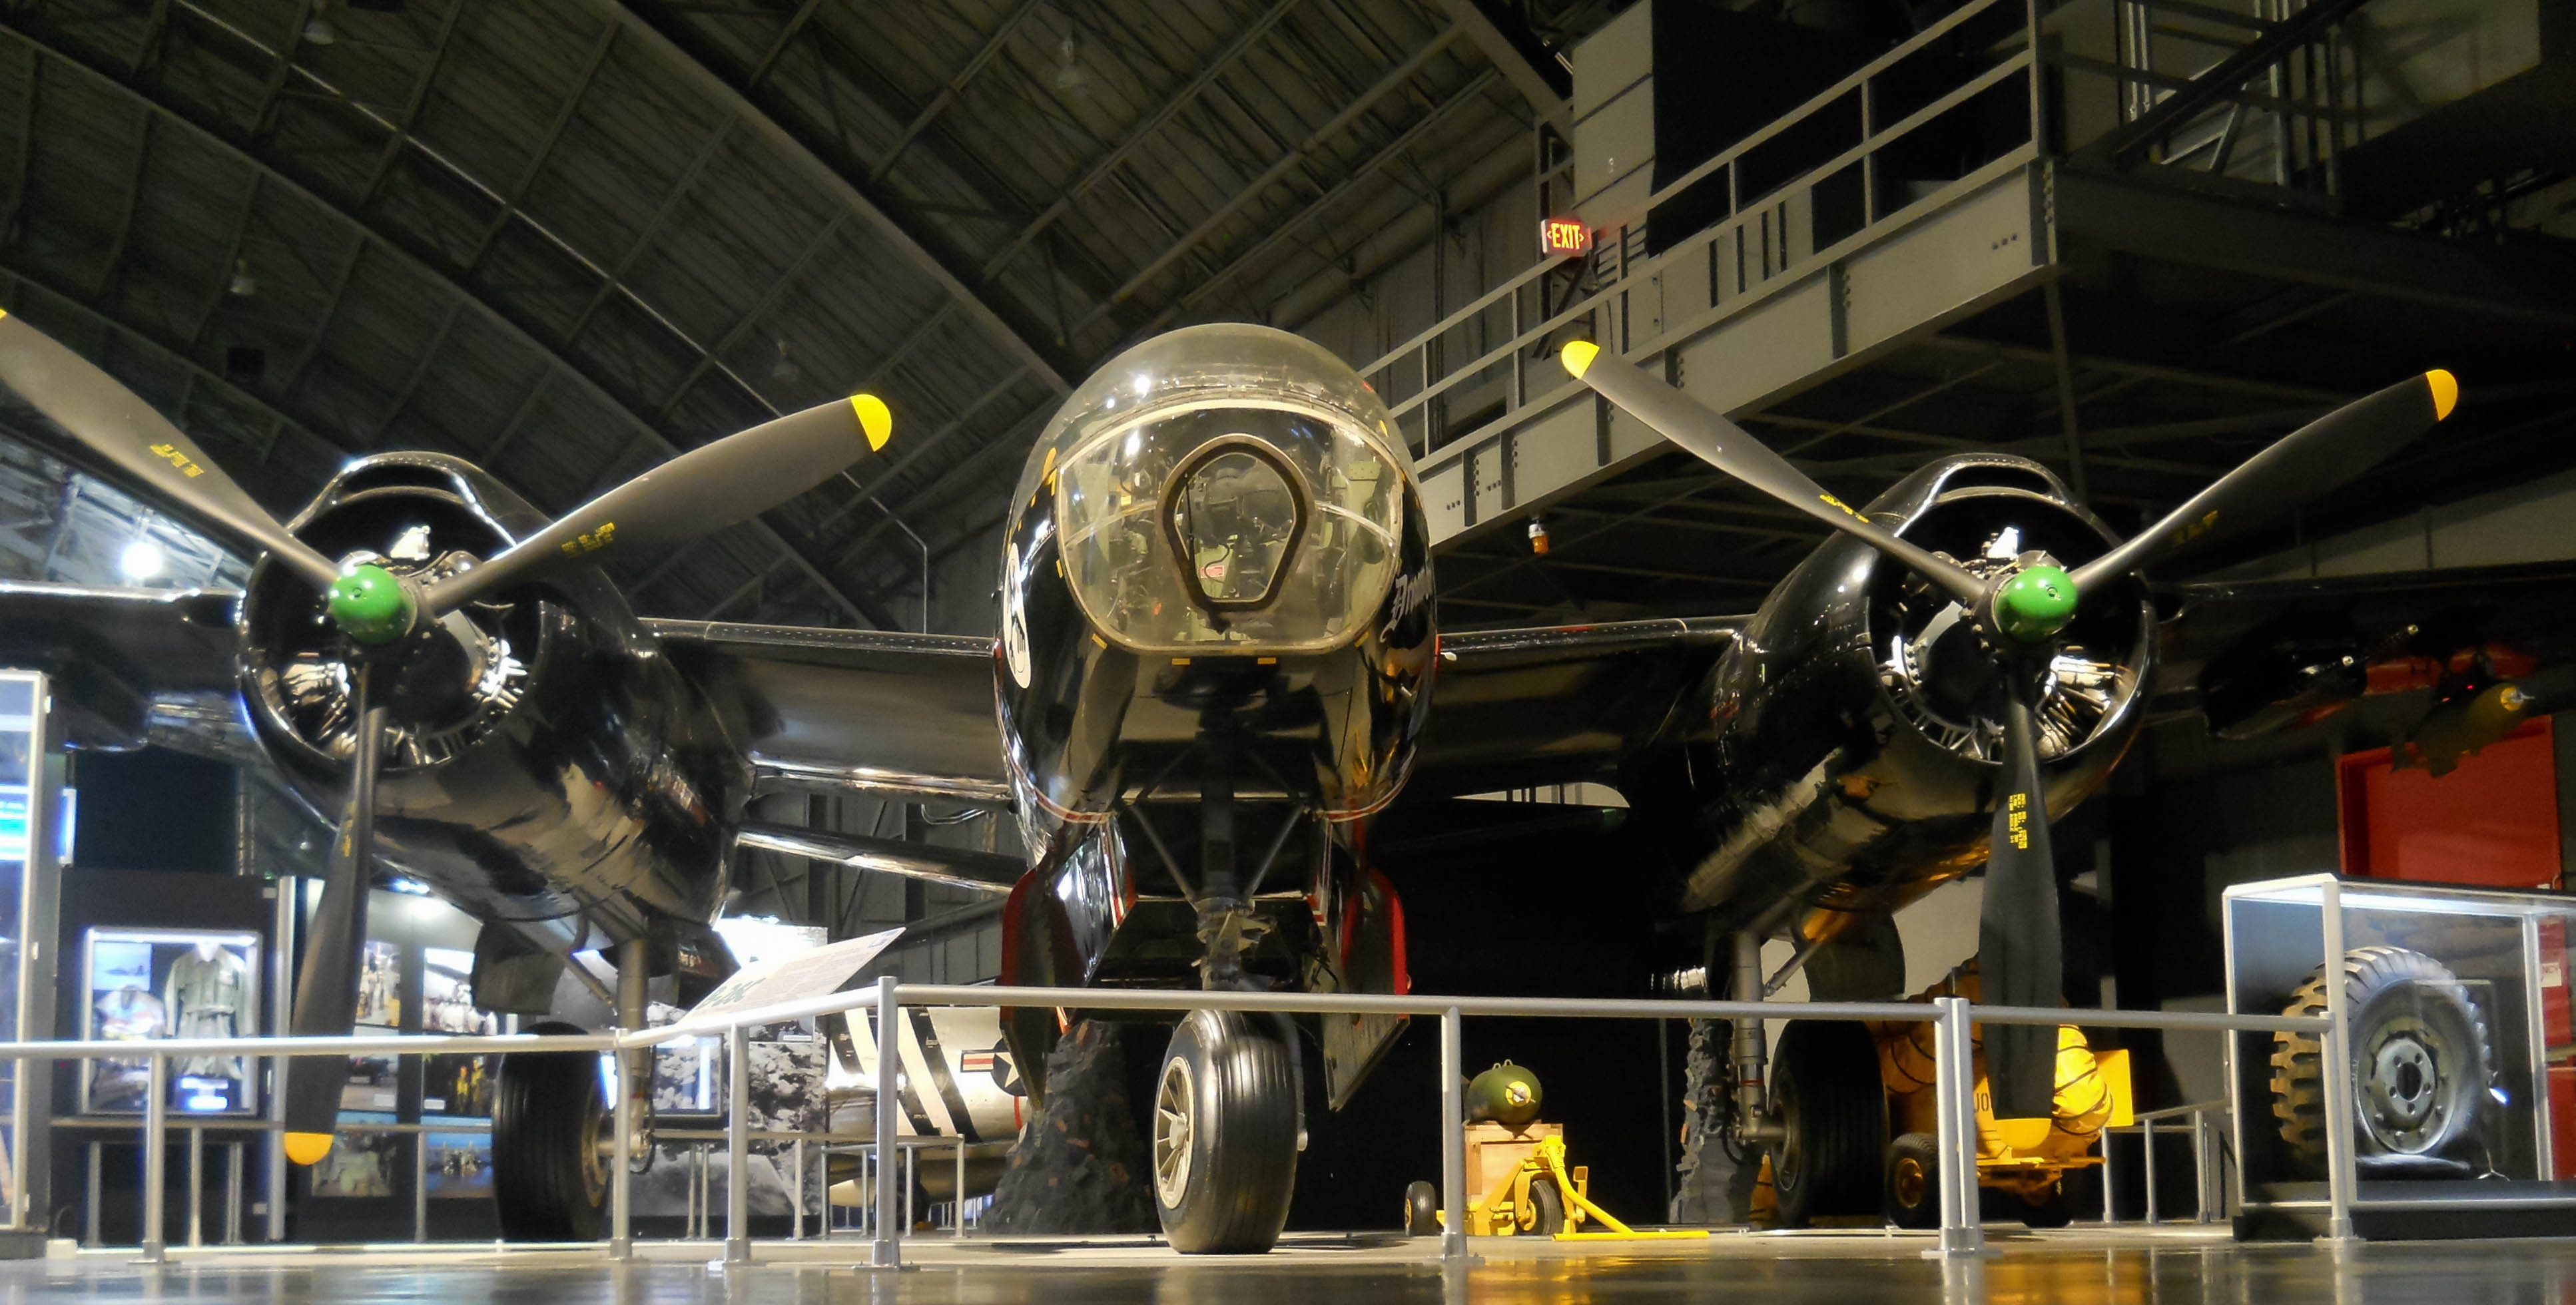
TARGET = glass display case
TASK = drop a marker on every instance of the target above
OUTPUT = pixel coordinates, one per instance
(149, 985)
(2461, 1058)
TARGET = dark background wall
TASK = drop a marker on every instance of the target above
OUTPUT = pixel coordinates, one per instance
(152, 809)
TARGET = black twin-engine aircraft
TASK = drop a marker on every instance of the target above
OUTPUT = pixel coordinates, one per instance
(1218, 663)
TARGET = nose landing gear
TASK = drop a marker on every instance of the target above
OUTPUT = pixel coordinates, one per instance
(1225, 1133)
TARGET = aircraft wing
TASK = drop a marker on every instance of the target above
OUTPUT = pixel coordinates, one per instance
(1559, 704)
(865, 710)
(2258, 656)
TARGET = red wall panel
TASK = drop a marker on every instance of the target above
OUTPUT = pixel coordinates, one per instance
(2493, 821)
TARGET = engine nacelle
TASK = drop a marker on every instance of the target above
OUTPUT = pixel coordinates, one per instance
(1855, 749)
(544, 766)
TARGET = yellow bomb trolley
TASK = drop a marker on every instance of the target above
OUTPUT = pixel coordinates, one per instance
(1517, 1175)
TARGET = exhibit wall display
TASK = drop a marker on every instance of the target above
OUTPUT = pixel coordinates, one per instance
(459, 1164)
(149, 985)
(374, 1081)
(360, 1164)
(453, 1084)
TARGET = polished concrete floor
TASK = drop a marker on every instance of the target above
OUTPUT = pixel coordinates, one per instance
(2168, 1267)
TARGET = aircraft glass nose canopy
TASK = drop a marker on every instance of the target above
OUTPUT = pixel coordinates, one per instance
(1235, 519)
(1224, 488)
(1272, 529)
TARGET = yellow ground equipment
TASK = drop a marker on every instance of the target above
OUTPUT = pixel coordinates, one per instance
(1518, 1164)
(2025, 1158)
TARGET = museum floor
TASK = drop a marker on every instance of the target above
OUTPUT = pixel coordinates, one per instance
(2167, 1267)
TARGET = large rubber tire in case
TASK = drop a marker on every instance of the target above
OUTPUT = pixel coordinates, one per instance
(1224, 1133)
(2421, 1059)
(550, 1121)
(1833, 1112)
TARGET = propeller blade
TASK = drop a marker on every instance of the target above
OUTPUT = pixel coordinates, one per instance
(326, 989)
(697, 493)
(2018, 957)
(115, 423)
(1730, 448)
(2301, 466)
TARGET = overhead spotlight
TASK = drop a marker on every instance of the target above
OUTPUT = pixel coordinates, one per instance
(1069, 72)
(318, 30)
(244, 285)
(785, 368)
(141, 560)
(1538, 537)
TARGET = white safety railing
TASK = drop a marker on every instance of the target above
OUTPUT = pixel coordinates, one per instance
(1954, 1086)
(2209, 1197)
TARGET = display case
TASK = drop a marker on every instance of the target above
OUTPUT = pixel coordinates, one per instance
(149, 985)
(2462, 1061)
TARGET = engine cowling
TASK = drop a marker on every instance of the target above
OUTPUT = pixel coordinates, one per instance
(542, 767)
(1854, 746)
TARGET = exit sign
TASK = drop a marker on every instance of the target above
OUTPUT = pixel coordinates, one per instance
(1563, 236)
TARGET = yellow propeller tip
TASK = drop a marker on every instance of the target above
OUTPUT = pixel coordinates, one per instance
(874, 419)
(2446, 392)
(1577, 355)
(307, 1148)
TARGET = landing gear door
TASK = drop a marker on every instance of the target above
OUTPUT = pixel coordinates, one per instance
(1372, 962)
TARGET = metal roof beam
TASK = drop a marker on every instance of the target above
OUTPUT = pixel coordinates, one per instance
(652, 231)
(1524, 62)
(419, 373)
(518, 191)
(22, 170)
(786, 36)
(1101, 167)
(330, 309)
(135, 337)
(1394, 80)
(495, 319)
(1002, 33)
(1282, 229)
(895, 239)
(409, 118)
(133, 201)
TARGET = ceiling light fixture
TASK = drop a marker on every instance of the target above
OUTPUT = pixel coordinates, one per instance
(244, 285)
(1069, 72)
(141, 560)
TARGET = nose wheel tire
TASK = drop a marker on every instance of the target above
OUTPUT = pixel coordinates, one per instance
(1224, 1117)
(2421, 1059)
(553, 1138)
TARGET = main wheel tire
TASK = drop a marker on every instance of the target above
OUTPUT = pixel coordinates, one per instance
(1833, 1113)
(551, 1129)
(1547, 1208)
(1224, 1148)
(1421, 1210)
(2421, 1058)
(1913, 1193)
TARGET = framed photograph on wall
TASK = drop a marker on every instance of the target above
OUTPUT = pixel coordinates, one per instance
(153, 985)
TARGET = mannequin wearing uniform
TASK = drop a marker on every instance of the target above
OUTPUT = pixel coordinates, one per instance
(208, 988)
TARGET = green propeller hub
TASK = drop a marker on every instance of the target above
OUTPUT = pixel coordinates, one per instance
(369, 605)
(2035, 604)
